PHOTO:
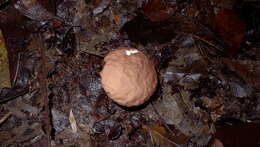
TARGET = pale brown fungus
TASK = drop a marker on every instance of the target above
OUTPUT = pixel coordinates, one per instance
(128, 76)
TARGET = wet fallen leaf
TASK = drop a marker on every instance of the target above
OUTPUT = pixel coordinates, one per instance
(231, 30)
(85, 140)
(252, 77)
(217, 143)
(179, 137)
(158, 135)
(33, 10)
(156, 10)
(5, 80)
(177, 109)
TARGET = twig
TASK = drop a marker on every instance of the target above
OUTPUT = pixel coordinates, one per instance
(209, 43)
(203, 52)
(17, 68)
(92, 53)
(13, 96)
(5, 117)
(44, 95)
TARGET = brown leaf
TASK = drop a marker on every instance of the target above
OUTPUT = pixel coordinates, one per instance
(231, 30)
(15, 36)
(33, 10)
(217, 143)
(243, 71)
(179, 137)
(158, 135)
(156, 10)
(4, 137)
(212, 103)
(5, 80)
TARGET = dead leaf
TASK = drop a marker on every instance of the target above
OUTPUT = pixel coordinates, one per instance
(5, 80)
(178, 109)
(33, 9)
(212, 103)
(179, 137)
(158, 135)
(85, 140)
(251, 77)
(231, 30)
(217, 143)
(4, 136)
(73, 123)
(215, 106)
(156, 10)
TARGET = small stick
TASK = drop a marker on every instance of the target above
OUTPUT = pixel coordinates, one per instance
(5, 117)
(17, 68)
(44, 92)
(209, 43)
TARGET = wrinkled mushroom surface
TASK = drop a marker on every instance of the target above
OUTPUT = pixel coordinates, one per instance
(128, 76)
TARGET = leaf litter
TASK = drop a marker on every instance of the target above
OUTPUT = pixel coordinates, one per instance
(206, 53)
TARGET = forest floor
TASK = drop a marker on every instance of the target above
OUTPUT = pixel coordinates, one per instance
(206, 53)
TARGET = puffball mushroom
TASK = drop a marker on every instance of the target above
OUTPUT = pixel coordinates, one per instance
(128, 77)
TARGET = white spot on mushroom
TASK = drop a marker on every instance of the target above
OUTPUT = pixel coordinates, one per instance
(130, 52)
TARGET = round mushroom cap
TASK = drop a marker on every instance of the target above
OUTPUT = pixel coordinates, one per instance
(128, 76)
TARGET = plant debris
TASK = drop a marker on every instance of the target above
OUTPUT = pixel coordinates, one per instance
(4, 64)
(206, 55)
